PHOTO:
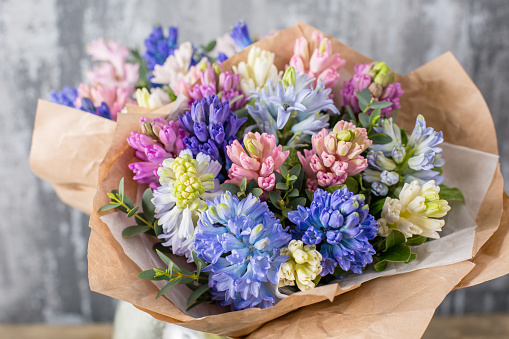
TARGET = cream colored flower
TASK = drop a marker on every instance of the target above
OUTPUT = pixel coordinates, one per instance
(415, 212)
(257, 71)
(156, 98)
(302, 266)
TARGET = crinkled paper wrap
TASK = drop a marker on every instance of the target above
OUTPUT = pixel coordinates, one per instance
(393, 306)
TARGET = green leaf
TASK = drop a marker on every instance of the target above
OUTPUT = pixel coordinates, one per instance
(381, 104)
(332, 189)
(381, 139)
(404, 136)
(147, 205)
(295, 170)
(293, 159)
(164, 258)
(257, 192)
(412, 258)
(199, 263)
(353, 119)
(275, 198)
(241, 113)
(375, 116)
(158, 229)
(281, 186)
(394, 238)
(236, 99)
(292, 178)
(376, 207)
(243, 184)
(196, 294)
(299, 182)
(234, 189)
(293, 193)
(363, 99)
(297, 202)
(381, 266)
(131, 231)
(416, 240)
(284, 171)
(352, 185)
(364, 119)
(133, 211)
(112, 196)
(128, 202)
(251, 185)
(397, 253)
(310, 195)
(168, 286)
(394, 115)
(279, 177)
(451, 194)
(210, 46)
(150, 275)
(159, 246)
(121, 189)
(108, 207)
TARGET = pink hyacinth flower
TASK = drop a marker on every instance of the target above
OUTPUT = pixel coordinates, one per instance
(335, 155)
(317, 60)
(257, 161)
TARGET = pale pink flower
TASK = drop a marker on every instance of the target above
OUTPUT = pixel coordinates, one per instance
(317, 60)
(335, 155)
(258, 161)
(115, 98)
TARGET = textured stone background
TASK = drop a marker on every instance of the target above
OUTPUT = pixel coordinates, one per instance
(43, 268)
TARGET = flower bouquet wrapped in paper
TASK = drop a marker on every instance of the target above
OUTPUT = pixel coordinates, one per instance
(299, 188)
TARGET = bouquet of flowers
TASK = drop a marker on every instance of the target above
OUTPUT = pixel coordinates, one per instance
(296, 180)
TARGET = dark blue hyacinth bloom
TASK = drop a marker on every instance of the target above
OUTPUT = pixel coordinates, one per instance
(159, 47)
(211, 126)
(65, 97)
(340, 226)
(241, 239)
(88, 106)
(240, 34)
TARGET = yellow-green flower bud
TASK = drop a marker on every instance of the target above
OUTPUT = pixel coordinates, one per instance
(345, 135)
(289, 78)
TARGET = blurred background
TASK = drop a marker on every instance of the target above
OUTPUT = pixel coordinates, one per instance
(43, 243)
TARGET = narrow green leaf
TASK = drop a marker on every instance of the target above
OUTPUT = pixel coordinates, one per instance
(381, 266)
(404, 136)
(394, 115)
(236, 99)
(381, 104)
(210, 46)
(108, 207)
(234, 189)
(257, 192)
(365, 94)
(131, 231)
(309, 195)
(133, 211)
(281, 186)
(121, 189)
(292, 178)
(394, 238)
(164, 258)
(295, 170)
(416, 240)
(197, 293)
(353, 119)
(397, 253)
(150, 275)
(158, 229)
(167, 287)
(128, 202)
(112, 196)
(451, 194)
(375, 116)
(147, 205)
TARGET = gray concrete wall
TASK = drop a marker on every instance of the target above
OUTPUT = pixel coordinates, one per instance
(43, 267)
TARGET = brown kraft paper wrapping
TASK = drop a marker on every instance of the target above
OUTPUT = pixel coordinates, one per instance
(398, 306)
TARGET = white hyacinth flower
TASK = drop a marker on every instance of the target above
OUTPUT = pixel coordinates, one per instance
(257, 71)
(180, 202)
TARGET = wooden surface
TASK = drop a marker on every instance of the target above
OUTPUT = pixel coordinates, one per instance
(467, 327)
(43, 268)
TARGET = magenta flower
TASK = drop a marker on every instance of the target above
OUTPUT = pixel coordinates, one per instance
(158, 141)
(317, 60)
(258, 161)
(380, 80)
(335, 155)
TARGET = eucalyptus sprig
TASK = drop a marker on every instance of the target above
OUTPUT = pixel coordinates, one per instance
(145, 221)
(197, 281)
